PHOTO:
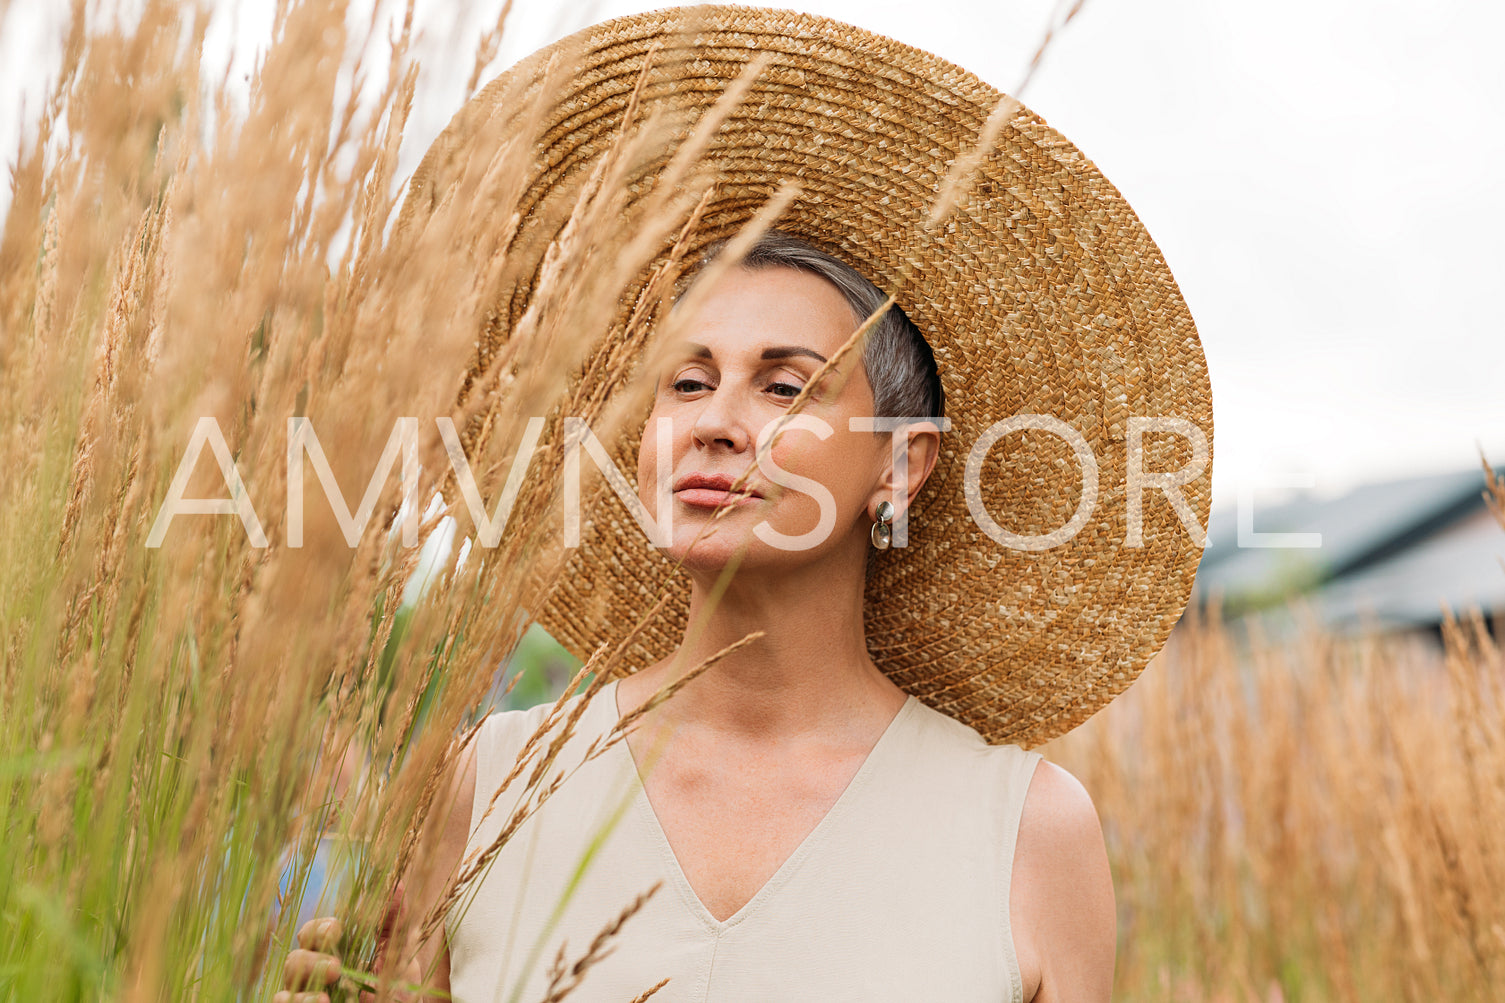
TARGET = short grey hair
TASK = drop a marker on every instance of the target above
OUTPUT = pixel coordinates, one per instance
(899, 363)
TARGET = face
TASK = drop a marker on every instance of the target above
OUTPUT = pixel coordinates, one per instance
(755, 344)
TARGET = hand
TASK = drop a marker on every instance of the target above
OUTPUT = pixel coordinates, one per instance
(310, 970)
(314, 967)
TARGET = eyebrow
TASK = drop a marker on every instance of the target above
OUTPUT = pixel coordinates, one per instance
(776, 352)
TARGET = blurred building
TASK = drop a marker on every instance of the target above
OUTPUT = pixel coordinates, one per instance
(1392, 555)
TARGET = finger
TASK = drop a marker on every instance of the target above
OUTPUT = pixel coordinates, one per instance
(309, 968)
(287, 997)
(322, 934)
(297, 968)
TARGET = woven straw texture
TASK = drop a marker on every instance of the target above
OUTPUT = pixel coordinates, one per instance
(1041, 293)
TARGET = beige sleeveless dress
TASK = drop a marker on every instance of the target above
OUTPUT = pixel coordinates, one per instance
(901, 893)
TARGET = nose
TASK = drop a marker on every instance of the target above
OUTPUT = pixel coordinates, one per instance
(720, 423)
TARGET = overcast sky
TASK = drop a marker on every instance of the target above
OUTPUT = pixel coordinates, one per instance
(1323, 177)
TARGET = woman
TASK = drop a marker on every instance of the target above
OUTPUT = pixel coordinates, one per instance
(841, 808)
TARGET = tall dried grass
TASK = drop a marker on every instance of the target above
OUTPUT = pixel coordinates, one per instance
(1309, 819)
(170, 255)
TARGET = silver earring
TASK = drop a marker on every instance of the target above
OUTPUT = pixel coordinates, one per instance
(883, 533)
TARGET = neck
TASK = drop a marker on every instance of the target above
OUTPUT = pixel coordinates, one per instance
(809, 673)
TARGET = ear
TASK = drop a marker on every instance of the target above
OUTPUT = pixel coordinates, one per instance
(915, 449)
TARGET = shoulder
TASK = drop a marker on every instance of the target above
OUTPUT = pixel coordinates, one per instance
(512, 727)
(1061, 895)
(1059, 807)
(504, 734)
(551, 737)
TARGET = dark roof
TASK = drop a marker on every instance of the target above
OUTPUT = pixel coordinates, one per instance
(1460, 566)
(1395, 548)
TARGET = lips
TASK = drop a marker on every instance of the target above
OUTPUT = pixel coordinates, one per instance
(712, 491)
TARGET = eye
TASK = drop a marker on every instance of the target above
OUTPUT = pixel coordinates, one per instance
(688, 385)
(787, 390)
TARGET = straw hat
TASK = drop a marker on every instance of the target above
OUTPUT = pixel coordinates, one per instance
(1040, 293)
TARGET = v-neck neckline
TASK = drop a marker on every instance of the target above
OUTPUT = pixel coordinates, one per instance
(650, 820)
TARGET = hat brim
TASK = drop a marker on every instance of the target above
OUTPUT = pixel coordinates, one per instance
(1041, 293)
